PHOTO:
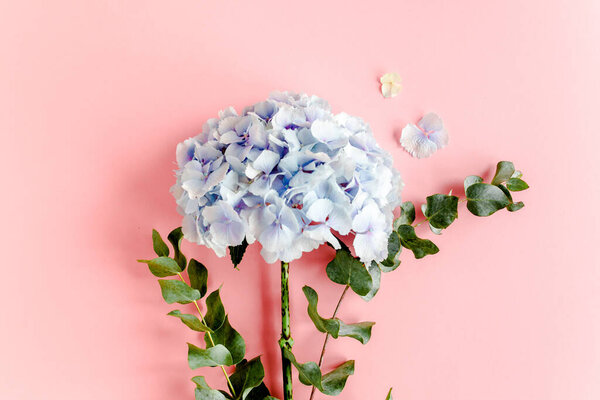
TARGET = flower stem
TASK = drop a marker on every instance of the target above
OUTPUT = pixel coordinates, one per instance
(286, 339)
(210, 339)
(337, 307)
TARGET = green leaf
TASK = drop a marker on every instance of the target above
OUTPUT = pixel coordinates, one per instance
(394, 249)
(435, 230)
(442, 210)
(472, 179)
(407, 216)
(230, 338)
(211, 357)
(516, 185)
(506, 192)
(375, 273)
(348, 270)
(419, 247)
(162, 266)
(191, 321)
(331, 383)
(177, 292)
(198, 276)
(237, 252)
(247, 376)
(335, 327)
(204, 392)
(512, 207)
(389, 395)
(215, 312)
(261, 392)
(484, 199)
(517, 174)
(175, 238)
(504, 171)
(160, 247)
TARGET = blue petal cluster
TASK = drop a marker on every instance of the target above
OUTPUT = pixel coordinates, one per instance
(286, 173)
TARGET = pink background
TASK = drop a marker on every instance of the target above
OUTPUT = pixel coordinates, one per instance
(95, 95)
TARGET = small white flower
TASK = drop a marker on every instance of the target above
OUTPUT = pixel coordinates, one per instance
(390, 84)
(425, 138)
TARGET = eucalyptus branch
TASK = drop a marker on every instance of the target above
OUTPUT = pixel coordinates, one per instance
(337, 307)
(210, 338)
(440, 211)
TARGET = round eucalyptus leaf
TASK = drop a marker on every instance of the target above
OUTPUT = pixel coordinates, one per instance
(160, 247)
(504, 171)
(484, 199)
(174, 291)
(211, 357)
(516, 185)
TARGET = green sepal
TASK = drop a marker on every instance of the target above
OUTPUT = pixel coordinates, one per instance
(407, 214)
(230, 338)
(198, 276)
(389, 395)
(215, 311)
(211, 357)
(247, 376)
(410, 240)
(191, 321)
(516, 185)
(441, 210)
(175, 237)
(204, 392)
(512, 207)
(331, 383)
(394, 249)
(484, 199)
(237, 253)
(162, 266)
(348, 270)
(160, 247)
(174, 291)
(335, 327)
(504, 170)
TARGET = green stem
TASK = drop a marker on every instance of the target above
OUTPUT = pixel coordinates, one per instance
(337, 307)
(212, 343)
(286, 339)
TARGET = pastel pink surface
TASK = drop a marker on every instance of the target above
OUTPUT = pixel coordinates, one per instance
(94, 97)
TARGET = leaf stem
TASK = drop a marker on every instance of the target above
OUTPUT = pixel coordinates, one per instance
(212, 343)
(337, 307)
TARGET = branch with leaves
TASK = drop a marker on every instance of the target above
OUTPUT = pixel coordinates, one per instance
(224, 346)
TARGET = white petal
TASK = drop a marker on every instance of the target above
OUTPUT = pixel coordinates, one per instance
(416, 142)
(340, 220)
(319, 210)
(440, 138)
(371, 246)
(266, 161)
(431, 122)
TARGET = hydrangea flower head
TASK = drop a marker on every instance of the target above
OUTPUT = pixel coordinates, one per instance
(287, 173)
(425, 138)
